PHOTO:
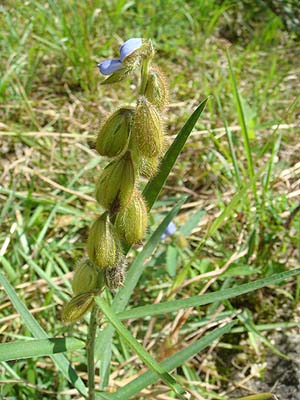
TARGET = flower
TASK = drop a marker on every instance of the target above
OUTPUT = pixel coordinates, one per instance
(170, 230)
(108, 67)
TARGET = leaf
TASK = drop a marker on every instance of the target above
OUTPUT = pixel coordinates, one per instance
(192, 222)
(242, 120)
(175, 361)
(38, 348)
(38, 332)
(153, 188)
(151, 363)
(171, 260)
(194, 301)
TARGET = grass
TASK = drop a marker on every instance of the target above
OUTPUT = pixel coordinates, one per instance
(239, 168)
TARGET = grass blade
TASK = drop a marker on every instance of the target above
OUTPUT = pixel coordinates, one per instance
(243, 124)
(153, 188)
(170, 363)
(37, 331)
(37, 348)
(209, 298)
(151, 363)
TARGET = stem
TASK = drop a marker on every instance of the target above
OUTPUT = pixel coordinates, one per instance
(90, 349)
(144, 75)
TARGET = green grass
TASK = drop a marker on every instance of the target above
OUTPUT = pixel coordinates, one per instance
(238, 228)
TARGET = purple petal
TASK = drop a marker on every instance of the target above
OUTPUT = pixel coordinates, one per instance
(107, 67)
(129, 47)
(171, 229)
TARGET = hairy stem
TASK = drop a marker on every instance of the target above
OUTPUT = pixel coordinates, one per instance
(90, 348)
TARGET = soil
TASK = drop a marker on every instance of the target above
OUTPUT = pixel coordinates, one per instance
(282, 376)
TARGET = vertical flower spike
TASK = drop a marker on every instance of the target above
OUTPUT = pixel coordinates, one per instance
(156, 89)
(147, 129)
(103, 245)
(131, 223)
(114, 134)
(115, 186)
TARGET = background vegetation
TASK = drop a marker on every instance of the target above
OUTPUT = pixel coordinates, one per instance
(51, 107)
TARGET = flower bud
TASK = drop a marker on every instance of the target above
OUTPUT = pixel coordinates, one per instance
(113, 136)
(147, 129)
(85, 278)
(157, 89)
(77, 307)
(103, 245)
(115, 186)
(115, 276)
(148, 166)
(131, 223)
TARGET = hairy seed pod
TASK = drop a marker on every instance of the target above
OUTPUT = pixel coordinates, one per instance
(131, 223)
(147, 129)
(77, 307)
(116, 184)
(113, 136)
(157, 89)
(115, 276)
(103, 245)
(148, 167)
(85, 278)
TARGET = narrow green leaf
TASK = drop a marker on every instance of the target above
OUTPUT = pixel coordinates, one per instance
(151, 363)
(175, 305)
(153, 188)
(175, 361)
(38, 332)
(192, 222)
(38, 348)
(103, 340)
(243, 124)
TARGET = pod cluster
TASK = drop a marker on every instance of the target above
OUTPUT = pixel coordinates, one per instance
(133, 140)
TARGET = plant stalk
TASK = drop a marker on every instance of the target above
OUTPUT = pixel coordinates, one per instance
(90, 348)
(144, 75)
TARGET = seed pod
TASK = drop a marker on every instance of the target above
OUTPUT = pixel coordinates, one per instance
(113, 136)
(85, 278)
(77, 307)
(115, 186)
(131, 223)
(115, 277)
(148, 167)
(147, 129)
(157, 89)
(103, 245)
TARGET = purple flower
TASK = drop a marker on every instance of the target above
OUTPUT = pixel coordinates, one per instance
(129, 47)
(170, 230)
(108, 67)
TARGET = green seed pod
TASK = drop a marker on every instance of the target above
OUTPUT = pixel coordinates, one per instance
(147, 129)
(131, 223)
(77, 307)
(148, 167)
(113, 136)
(115, 186)
(115, 277)
(103, 245)
(157, 89)
(85, 278)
